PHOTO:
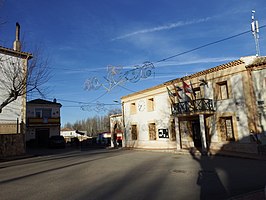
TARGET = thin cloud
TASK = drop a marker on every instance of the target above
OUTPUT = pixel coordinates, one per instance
(196, 61)
(162, 28)
(183, 62)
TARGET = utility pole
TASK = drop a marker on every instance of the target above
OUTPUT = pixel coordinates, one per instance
(255, 32)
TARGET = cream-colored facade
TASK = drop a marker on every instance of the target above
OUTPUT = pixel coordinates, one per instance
(225, 111)
(148, 111)
(43, 121)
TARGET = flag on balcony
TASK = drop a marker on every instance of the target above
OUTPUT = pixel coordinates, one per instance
(177, 88)
(171, 95)
(187, 88)
(193, 91)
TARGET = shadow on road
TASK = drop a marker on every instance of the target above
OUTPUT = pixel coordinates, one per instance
(217, 177)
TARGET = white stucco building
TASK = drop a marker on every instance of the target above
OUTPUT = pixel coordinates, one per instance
(13, 69)
(69, 134)
(226, 105)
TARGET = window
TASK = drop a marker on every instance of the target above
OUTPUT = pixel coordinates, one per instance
(226, 129)
(151, 104)
(222, 91)
(134, 132)
(152, 131)
(133, 108)
(47, 113)
(43, 113)
(197, 92)
(38, 113)
(173, 132)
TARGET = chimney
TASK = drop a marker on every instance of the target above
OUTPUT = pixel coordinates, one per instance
(54, 100)
(17, 44)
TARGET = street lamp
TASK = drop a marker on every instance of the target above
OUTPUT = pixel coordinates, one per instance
(123, 121)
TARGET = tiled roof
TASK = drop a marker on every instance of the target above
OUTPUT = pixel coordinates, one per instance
(258, 62)
(10, 51)
(42, 101)
(214, 69)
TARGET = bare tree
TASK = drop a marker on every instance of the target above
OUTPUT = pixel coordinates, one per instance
(95, 124)
(21, 74)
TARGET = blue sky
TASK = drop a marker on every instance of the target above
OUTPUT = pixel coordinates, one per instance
(82, 38)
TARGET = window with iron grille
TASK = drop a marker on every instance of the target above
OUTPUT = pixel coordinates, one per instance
(226, 129)
(152, 131)
(173, 132)
(222, 90)
(134, 132)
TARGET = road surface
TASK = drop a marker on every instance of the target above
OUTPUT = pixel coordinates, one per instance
(129, 174)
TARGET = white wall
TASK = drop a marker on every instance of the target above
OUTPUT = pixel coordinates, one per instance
(69, 133)
(239, 107)
(14, 110)
(259, 78)
(160, 116)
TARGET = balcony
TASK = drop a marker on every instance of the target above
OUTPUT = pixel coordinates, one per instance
(43, 121)
(198, 106)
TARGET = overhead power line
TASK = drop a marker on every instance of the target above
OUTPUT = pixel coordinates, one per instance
(176, 55)
(205, 45)
(197, 48)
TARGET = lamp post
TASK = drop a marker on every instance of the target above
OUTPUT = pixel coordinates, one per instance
(123, 123)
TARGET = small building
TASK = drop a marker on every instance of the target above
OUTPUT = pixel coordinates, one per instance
(116, 129)
(43, 121)
(13, 64)
(69, 134)
(221, 108)
(13, 70)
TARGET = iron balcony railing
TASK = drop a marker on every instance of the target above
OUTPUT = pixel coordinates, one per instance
(38, 121)
(193, 106)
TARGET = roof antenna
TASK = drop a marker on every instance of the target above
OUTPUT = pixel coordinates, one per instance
(255, 32)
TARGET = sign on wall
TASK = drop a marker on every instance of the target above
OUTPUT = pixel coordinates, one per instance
(163, 133)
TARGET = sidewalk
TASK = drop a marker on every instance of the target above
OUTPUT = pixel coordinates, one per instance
(256, 195)
(224, 153)
(239, 155)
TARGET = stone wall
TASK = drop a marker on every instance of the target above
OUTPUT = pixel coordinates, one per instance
(12, 145)
(8, 128)
(12, 127)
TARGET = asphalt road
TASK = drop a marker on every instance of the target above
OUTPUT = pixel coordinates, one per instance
(129, 174)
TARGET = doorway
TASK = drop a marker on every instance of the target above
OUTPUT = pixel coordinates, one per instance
(42, 136)
(196, 134)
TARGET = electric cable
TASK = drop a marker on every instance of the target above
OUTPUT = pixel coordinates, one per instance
(205, 45)
(173, 56)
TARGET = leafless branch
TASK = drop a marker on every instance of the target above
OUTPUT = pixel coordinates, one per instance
(22, 76)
